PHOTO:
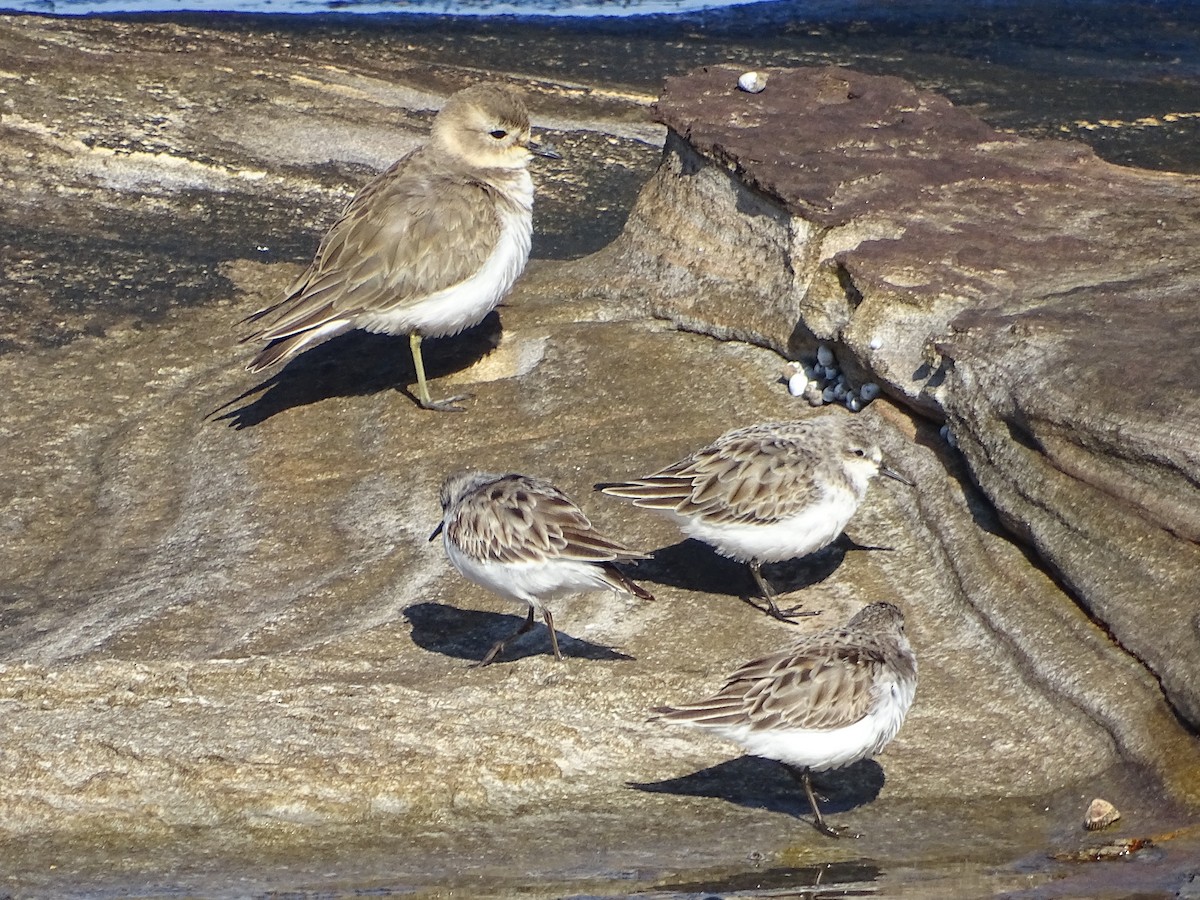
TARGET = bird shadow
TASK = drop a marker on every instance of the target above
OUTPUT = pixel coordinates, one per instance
(470, 633)
(758, 783)
(694, 566)
(355, 364)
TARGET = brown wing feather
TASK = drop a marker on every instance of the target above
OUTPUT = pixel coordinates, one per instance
(388, 249)
(518, 518)
(820, 684)
(762, 473)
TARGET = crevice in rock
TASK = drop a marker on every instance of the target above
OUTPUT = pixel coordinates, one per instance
(854, 296)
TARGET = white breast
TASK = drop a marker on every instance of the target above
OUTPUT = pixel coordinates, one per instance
(835, 747)
(809, 530)
(452, 309)
(531, 582)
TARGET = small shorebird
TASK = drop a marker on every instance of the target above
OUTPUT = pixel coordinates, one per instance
(831, 699)
(768, 492)
(524, 539)
(428, 248)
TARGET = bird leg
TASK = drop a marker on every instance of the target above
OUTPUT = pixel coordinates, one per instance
(805, 779)
(768, 594)
(501, 644)
(553, 637)
(423, 398)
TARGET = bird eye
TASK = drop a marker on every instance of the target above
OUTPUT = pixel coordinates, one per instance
(499, 134)
(859, 451)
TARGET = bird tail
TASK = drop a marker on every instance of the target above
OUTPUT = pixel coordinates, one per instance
(623, 582)
(277, 351)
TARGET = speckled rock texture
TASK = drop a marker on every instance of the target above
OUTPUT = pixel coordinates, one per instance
(227, 645)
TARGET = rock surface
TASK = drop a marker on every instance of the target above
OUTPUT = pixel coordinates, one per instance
(229, 651)
(1037, 299)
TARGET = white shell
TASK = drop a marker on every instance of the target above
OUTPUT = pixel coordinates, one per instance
(876, 342)
(824, 356)
(753, 82)
(797, 383)
(869, 391)
(1100, 814)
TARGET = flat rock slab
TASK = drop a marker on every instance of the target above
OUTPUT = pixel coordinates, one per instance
(1037, 299)
(231, 656)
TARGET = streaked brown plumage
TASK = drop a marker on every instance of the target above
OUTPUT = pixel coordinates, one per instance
(829, 700)
(523, 538)
(767, 492)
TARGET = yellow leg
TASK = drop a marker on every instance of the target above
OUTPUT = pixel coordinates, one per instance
(414, 344)
(423, 399)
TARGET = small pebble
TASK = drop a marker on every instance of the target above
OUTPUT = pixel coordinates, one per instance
(853, 403)
(869, 391)
(797, 384)
(753, 82)
(1100, 814)
(813, 394)
(827, 395)
(824, 356)
(876, 342)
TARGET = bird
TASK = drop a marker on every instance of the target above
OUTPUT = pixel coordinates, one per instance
(427, 248)
(767, 492)
(831, 699)
(521, 537)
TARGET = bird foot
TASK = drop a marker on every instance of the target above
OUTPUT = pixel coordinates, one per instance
(789, 615)
(835, 831)
(449, 404)
(492, 654)
(792, 613)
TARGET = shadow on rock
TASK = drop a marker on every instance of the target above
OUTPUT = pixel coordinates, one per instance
(694, 566)
(469, 634)
(765, 784)
(357, 364)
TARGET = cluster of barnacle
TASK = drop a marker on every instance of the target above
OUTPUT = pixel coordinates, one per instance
(822, 382)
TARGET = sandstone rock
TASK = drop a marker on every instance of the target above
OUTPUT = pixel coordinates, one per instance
(1011, 287)
(229, 651)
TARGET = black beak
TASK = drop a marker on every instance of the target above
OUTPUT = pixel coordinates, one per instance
(437, 531)
(892, 473)
(544, 150)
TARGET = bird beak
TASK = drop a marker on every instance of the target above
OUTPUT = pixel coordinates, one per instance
(437, 531)
(892, 473)
(543, 150)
